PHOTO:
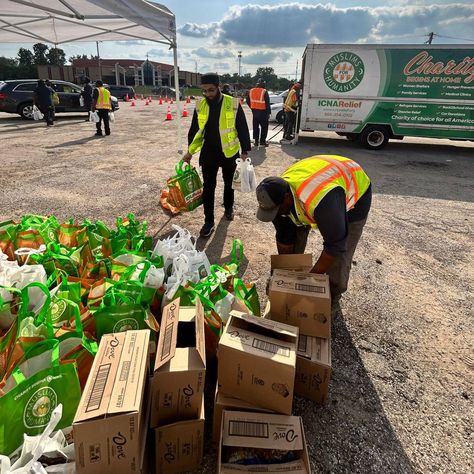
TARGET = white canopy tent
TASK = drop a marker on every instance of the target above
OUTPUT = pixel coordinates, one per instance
(70, 21)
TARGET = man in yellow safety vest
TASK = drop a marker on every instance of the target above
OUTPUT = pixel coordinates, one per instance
(101, 103)
(328, 192)
(219, 130)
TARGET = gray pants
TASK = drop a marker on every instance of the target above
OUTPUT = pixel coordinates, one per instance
(341, 267)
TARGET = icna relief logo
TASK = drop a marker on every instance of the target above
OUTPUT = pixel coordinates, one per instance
(126, 324)
(39, 407)
(343, 72)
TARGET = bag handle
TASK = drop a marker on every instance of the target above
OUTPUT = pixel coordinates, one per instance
(42, 316)
(241, 292)
(179, 168)
(52, 344)
(237, 245)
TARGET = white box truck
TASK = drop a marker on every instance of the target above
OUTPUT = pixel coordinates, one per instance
(371, 93)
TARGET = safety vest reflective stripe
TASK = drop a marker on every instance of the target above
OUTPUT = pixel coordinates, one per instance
(257, 98)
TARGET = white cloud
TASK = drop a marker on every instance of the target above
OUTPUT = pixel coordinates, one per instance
(296, 24)
(265, 57)
(155, 52)
(211, 53)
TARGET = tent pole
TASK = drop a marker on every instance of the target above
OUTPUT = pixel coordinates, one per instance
(176, 86)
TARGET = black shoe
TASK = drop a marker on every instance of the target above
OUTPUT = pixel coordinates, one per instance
(98, 134)
(255, 142)
(265, 144)
(107, 133)
(207, 229)
(229, 214)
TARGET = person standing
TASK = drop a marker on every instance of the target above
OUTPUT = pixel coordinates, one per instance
(101, 103)
(226, 89)
(43, 99)
(290, 107)
(326, 192)
(86, 95)
(259, 101)
(219, 130)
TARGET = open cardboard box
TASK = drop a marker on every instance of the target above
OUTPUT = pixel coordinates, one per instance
(177, 388)
(111, 421)
(226, 402)
(262, 434)
(313, 368)
(256, 361)
(179, 446)
(302, 300)
(298, 262)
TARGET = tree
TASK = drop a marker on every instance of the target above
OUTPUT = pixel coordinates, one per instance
(8, 68)
(268, 75)
(77, 56)
(39, 50)
(56, 57)
(25, 57)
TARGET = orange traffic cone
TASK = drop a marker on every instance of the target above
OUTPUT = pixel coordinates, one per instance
(161, 101)
(168, 114)
(133, 103)
(149, 98)
(146, 102)
(127, 99)
(188, 100)
(185, 112)
(141, 98)
(166, 99)
(171, 101)
(135, 97)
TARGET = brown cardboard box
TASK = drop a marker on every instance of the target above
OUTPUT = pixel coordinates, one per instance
(303, 300)
(299, 262)
(179, 446)
(267, 432)
(256, 361)
(180, 367)
(112, 418)
(313, 368)
(226, 402)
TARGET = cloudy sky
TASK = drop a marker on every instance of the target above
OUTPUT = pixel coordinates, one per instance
(274, 33)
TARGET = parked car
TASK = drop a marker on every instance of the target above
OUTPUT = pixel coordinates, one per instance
(277, 114)
(167, 91)
(277, 98)
(121, 91)
(16, 97)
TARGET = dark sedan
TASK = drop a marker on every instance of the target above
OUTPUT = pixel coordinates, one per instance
(16, 97)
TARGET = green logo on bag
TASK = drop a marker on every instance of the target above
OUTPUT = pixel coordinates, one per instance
(344, 71)
(57, 310)
(126, 324)
(39, 407)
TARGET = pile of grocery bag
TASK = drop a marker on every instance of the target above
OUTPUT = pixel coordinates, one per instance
(63, 286)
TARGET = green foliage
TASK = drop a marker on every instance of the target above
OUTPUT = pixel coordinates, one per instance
(56, 56)
(39, 51)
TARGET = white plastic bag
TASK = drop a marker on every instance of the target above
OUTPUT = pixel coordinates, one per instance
(37, 115)
(94, 116)
(244, 177)
(36, 446)
(81, 101)
(112, 117)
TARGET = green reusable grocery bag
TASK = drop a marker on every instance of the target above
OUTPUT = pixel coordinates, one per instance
(27, 407)
(185, 188)
(248, 294)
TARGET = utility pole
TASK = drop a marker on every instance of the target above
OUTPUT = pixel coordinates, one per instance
(98, 56)
(430, 38)
(240, 57)
(296, 73)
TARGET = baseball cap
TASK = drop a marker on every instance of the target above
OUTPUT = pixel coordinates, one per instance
(270, 193)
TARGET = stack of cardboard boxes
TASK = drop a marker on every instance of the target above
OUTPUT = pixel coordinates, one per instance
(177, 390)
(303, 299)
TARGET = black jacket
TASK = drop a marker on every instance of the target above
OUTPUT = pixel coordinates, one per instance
(44, 96)
(87, 95)
(211, 152)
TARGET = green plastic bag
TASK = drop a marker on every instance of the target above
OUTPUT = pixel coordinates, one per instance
(27, 408)
(248, 294)
(185, 188)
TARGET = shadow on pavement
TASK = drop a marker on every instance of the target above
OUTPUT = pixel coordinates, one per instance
(427, 170)
(80, 141)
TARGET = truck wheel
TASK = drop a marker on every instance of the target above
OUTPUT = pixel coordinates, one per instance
(374, 137)
(280, 116)
(26, 111)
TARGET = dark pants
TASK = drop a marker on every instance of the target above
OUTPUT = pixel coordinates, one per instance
(209, 175)
(48, 113)
(103, 116)
(260, 126)
(289, 125)
(340, 269)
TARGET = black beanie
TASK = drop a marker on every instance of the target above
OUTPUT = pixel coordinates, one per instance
(210, 78)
